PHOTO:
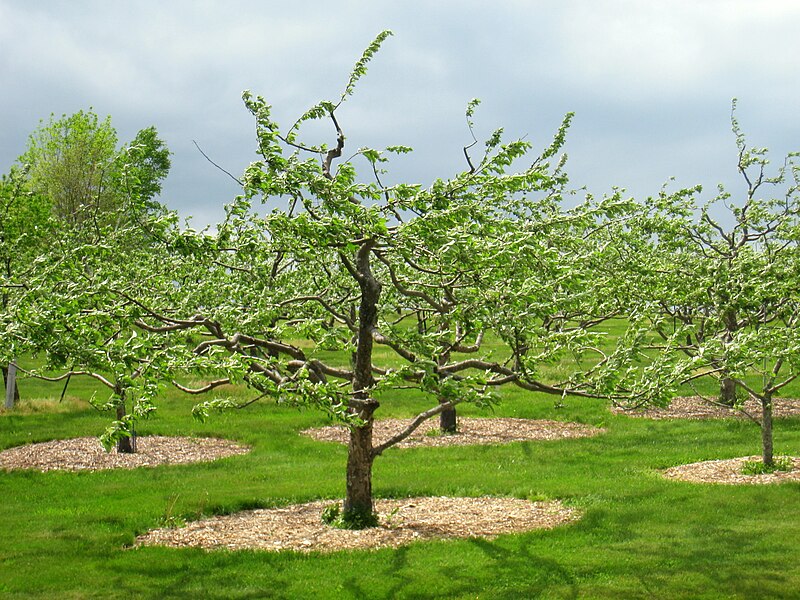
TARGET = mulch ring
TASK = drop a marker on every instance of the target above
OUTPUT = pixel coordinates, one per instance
(730, 472)
(81, 454)
(300, 527)
(470, 432)
(695, 407)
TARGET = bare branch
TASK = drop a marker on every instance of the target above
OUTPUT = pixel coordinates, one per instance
(96, 376)
(412, 427)
(215, 164)
(206, 388)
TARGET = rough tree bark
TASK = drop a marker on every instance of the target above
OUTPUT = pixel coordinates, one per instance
(447, 418)
(358, 505)
(727, 391)
(358, 498)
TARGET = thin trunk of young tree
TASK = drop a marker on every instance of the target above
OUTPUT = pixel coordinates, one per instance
(10, 385)
(766, 432)
(124, 444)
(447, 418)
(727, 386)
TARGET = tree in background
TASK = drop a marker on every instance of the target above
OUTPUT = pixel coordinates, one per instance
(75, 163)
(101, 198)
(723, 291)
(24, 224)
(144, 164)
(75, 319)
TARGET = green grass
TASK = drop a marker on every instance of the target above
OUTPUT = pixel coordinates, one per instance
(68, 535)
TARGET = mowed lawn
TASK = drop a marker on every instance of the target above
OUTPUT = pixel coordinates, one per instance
(69, 535)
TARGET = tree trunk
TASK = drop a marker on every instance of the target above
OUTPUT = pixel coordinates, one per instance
(358, 510)
(10, 385)
(124, 444)
(727, 391)
(447, 419)
(766, 432)
(358, 499)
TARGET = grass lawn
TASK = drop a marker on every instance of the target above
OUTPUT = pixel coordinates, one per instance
(68, 535)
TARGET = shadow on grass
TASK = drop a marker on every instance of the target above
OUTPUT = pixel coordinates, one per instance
(540, 574)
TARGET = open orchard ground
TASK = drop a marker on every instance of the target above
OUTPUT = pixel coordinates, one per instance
(640, 535)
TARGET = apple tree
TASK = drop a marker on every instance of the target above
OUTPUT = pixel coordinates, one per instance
(341, 289)
(720, 283)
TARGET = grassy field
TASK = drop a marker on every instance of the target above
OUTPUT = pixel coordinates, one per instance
(68, 535)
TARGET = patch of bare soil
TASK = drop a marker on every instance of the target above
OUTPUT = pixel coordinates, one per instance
(695, 407)
(470, 432)
(730, 472)
(79, 454)
(300, 527)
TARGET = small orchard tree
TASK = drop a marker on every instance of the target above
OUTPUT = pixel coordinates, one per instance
(101, 199)
(24, 225)
(73, 316)
(348, 267)
(721, 282)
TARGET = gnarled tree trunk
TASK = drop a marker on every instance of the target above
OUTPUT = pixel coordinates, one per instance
(358, 507)
(358, 498)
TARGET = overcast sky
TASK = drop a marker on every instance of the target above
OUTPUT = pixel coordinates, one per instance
(651, 82)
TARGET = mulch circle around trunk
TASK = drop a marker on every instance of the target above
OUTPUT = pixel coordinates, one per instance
(86, 454)
(471, 431)
(695, 407)
(300, 527)
(729, 471)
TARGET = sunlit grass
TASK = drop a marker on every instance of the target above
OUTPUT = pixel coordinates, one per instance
(68, 535)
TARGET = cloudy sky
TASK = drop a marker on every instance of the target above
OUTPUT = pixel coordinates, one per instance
(651, 82)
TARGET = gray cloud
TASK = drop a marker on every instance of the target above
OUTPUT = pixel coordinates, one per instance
(651, 83)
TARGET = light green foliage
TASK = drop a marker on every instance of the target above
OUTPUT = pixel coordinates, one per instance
(144, 164)
(97, 202)
(721, 292)
(75, 163)
(408, 280)
(77, 314)
(489, 250)
(71, 162)
(25, 227)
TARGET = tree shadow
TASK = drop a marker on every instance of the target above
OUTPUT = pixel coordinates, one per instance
(530, 573)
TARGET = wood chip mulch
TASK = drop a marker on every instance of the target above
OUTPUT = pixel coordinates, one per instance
(300, 527)
(80, 454)
(730, 472)
(694, 407)
(470, 432)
